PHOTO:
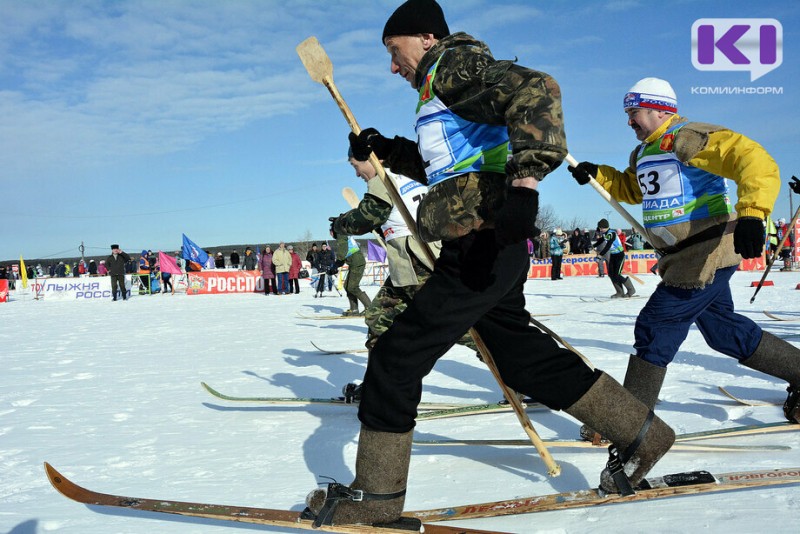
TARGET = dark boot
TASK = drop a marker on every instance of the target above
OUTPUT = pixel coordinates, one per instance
(780, 359)
(629, 286)
(365, 301)
(381, 470)
(620, 292)
(353, 306)
(614, 412)
(643, 380)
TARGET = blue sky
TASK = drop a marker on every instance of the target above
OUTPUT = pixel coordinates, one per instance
(133, 122)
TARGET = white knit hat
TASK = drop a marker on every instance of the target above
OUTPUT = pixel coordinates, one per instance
(651, 93)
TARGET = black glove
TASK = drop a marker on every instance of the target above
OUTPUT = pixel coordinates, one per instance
(583, 172)
(794, 185)
(333, 269)
(748, 237)
(516, 220)
(333, 223)
(369, 140)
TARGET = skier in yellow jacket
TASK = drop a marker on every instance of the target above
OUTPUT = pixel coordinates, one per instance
(678, 173)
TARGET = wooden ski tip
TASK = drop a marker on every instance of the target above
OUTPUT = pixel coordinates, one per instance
(57, 480)
(315, 60)
(52, 474)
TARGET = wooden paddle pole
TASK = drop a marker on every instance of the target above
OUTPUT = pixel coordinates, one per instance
(320, 68)
(614, 204)
(790, 228)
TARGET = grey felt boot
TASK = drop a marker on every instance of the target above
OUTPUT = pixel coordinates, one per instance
(381, 474)
(640, 437)
(629, 286)
(780, 359)
(620, 292)
(643, 380)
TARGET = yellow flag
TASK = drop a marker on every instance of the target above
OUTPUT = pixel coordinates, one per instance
(23, 274)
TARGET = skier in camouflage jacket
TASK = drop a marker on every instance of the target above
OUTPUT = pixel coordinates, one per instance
(488, 132)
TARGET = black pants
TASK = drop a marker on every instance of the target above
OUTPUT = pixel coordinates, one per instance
(294, 285)
(473, 284)
(270, 285)
(555, 271)
(321, 282)
(118, 284)
(615, 263)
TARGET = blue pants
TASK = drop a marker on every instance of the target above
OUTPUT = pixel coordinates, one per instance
(283, 282)
(664, 321)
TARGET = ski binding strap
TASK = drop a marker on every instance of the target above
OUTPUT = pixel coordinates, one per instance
(617, 461)
(339, 492)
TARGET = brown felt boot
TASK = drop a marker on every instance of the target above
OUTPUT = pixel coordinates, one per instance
(614, 412)
(643, 380)
(381, 473)
(780, 359)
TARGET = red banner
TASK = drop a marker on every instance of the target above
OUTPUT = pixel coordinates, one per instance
(636, 262)
(3, 290)
(216, 282)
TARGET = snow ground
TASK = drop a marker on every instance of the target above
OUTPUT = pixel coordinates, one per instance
(109, 393)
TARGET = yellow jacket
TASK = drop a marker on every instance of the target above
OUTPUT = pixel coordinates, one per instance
(714, 149)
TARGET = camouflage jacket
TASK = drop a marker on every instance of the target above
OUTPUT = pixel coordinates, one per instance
(481, 89)
(369, 215)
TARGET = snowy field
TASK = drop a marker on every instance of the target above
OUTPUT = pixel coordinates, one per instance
(109, 393)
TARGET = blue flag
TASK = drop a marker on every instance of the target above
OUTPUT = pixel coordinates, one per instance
(194, 254)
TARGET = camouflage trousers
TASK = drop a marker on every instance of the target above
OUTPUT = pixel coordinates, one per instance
(354, 274)
(391, 301)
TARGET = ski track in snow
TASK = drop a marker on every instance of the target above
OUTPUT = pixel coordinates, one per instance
(109, 393)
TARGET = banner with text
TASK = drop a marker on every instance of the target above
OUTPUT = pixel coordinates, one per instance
(216, 282)
(636, 262)
(83, 288)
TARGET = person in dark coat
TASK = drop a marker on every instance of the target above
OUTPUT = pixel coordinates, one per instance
(115, 263)
(267, 271)
(250, 260)
(235, 259)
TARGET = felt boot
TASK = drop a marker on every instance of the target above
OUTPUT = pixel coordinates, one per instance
(377, 494)
(643, 380)
(780, 359)
(629, 286)
(639, 438)
(620, 292)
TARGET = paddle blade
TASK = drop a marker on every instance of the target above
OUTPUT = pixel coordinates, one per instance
(350, 197)
(315, 60)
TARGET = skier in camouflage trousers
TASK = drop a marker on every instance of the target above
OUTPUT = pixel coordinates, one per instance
(348, 251)
(488, 132)
(678, 173)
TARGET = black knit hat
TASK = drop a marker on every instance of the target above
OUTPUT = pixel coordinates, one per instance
(417, 16)
(114, 246)
(603, 223)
